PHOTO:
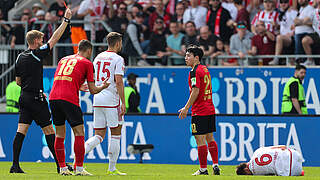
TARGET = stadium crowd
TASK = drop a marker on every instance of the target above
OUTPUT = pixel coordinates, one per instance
(156, 29)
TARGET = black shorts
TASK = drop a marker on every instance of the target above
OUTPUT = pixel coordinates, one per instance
(32, 108)
(203, 124)
(63, 110)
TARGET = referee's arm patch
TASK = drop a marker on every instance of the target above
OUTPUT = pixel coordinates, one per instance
(44, 47)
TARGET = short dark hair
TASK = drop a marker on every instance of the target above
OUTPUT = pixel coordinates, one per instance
(299, 67)
(239, 2)
(191, 23)
(113, 38)
(195, 50)
(84, 45)
(240, 169)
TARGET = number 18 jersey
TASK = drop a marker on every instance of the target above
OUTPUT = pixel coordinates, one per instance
(106, 65)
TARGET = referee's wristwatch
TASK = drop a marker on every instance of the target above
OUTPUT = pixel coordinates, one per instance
(67, 20)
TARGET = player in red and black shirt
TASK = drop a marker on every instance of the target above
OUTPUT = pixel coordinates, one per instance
(71, 73)
(203, 112)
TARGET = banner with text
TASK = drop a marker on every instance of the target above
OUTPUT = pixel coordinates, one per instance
(235, 90)
(237, 138)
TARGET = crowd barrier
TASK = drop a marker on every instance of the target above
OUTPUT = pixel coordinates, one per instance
(237, 137)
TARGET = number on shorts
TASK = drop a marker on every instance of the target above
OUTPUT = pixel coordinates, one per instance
(104, 70)
(262, 162)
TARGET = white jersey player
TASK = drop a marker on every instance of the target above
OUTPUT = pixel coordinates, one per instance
(274, 160)
(109, 105)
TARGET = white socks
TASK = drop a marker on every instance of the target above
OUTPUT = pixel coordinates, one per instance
(92, 142)
(113, 151)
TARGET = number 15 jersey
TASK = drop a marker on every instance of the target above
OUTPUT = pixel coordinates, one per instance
(106, 65)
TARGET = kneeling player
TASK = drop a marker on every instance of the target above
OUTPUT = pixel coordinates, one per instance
(274, 160)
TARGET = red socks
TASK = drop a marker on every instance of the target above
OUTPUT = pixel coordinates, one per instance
(213, 149)
(202, 154)
(79, 150)
(60, 153)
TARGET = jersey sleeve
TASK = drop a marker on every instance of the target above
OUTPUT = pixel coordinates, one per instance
(195, 78)
(90, 72)
(42, 52)
(16, 68)
(119, 67)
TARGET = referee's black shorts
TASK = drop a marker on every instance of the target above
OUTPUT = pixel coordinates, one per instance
(34, 109)
(63, 110)
(203, 124)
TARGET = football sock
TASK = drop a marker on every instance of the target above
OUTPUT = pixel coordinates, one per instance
(213, 149)
(113, 151)
(59, 149)
(79, 150)
(50, 141)
(92, 142)
(17, 145)
(202, 154)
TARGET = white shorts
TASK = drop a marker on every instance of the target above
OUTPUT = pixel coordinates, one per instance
(103, 117)
(296, 168)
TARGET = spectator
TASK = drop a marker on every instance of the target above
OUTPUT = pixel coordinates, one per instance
(132, 96)
(5, 6)
(178, 16)
(28, 12)
(285, 40)
(92, 10)
(230, 6)
(254, 7)
(4, 29)
(195, 13)
(240, 43)
(242, 15)
(191, 36)
(132, 39)
(174, 43)
(39, 16)
(35, 8)
(18, 32)
(302, 27)
(269, 16)
(118, 20)
(207, 41)
(219, 21)
(311, 42)
(159, 12)
(158, 43)
(205, 4)
(54, 15)
(220, 50)
(263, 43)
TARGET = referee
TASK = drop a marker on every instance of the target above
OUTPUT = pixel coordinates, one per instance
(32, 102)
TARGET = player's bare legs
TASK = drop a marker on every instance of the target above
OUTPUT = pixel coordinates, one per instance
(114, 150)
(17, 145)
(213, 149)
(49, 133)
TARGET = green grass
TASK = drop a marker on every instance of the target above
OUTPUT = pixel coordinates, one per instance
(137, 171)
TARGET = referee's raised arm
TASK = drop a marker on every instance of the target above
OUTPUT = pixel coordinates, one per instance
(58, 33)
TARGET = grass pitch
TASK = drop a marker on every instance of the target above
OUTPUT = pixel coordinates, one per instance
(136, 171)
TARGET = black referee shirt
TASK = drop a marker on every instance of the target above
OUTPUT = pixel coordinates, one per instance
(30, 69)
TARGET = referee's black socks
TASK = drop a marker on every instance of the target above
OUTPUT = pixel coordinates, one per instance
(50, 141)
(17, 144)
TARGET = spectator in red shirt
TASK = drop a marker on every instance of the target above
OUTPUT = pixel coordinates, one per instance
(243, 15)
(263, 43)
(159, 12)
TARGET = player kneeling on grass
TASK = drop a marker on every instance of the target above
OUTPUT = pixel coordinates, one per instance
(203, 112)
(108, 111)
(71, 73)
(274, 160)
